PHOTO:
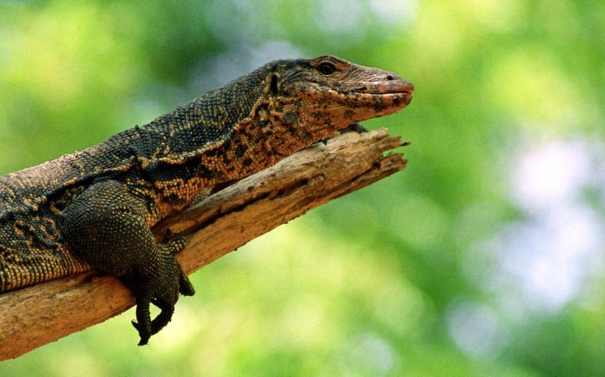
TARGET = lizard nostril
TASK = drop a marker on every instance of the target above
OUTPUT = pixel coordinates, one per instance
(390, 77)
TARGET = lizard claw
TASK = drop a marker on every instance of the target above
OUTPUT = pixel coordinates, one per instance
(144, 318)
(146, 327)
(160, 286)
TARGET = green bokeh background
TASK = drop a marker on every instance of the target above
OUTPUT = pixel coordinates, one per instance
(485, 257)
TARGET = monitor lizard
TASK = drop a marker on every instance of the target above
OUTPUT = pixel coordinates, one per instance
(94, 208)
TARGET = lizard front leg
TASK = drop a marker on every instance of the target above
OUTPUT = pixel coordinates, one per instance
(105, 227)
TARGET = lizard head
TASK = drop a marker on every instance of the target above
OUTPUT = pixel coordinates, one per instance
(327, 93)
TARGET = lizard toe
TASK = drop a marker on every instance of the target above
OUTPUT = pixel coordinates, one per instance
(162, 319)
(143, 325)
(185, 286)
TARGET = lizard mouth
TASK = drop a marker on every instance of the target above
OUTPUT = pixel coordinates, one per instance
(407, 91)
(383, 101)
(395, 99)
(396, 92)
(405, 97)
(393, 85)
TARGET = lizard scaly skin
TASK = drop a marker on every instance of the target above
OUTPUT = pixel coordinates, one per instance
(95, 208)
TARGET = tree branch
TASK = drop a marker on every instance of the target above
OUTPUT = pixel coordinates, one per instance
(34, 316)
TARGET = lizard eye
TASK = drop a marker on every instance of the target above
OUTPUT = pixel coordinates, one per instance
(326, 68)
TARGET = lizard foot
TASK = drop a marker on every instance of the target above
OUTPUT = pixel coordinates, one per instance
(105, 227)
(158, 284)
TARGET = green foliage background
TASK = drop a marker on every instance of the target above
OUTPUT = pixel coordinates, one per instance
(484, 257)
